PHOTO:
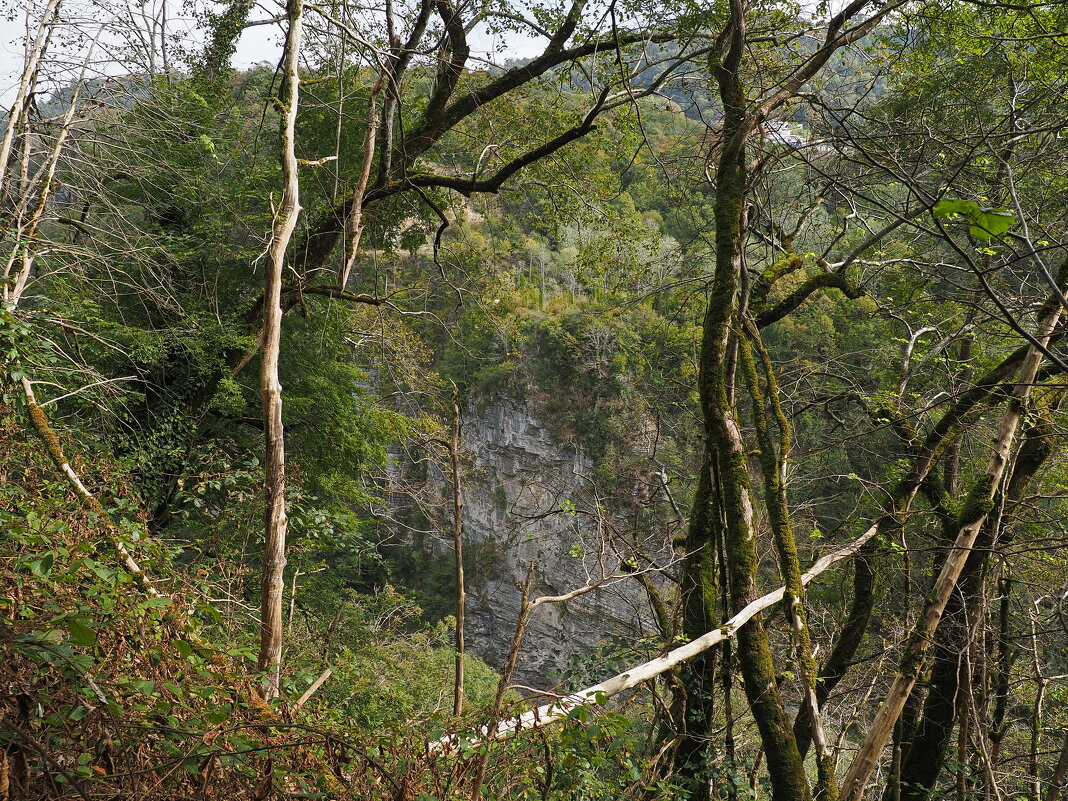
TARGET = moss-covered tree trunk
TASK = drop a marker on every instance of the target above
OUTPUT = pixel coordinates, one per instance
(725, 450)
(693, 708)
(973, 515)
(773, 460)
(926, 754)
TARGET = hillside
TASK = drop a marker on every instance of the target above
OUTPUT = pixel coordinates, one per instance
(676, 413)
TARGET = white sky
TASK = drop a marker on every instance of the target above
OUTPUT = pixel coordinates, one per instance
(257, 45)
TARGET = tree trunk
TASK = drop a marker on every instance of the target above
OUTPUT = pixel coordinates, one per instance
(458, 554)
(723, 436)
(274, 554)
(693, 709)
(972, 517)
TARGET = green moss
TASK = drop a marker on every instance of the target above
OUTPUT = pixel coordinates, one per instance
(912, 664)
(979, 502)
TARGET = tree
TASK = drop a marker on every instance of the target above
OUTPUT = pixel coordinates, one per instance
(274, 559)
(724, 496)
(723, 507)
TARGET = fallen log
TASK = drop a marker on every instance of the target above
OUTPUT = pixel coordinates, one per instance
(550, 713)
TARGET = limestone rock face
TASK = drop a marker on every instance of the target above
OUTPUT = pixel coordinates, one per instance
(529, 498)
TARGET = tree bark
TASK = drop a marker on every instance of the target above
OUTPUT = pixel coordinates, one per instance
(458, 555)
(275, 521)
(972, 517)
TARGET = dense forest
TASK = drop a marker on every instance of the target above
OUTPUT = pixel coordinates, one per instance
(675, 412)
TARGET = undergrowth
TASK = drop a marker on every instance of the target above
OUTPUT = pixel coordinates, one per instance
(106, 692)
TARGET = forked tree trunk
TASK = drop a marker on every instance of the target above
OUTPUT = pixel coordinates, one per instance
(726, 451)
(927, 751)
(972, 517)
(274, 551)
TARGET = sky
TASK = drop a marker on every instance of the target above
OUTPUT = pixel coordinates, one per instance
(258, 44)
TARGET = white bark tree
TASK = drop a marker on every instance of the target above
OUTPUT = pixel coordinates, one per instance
(275, 522)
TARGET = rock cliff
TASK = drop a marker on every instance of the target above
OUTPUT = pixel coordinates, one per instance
(530, 498)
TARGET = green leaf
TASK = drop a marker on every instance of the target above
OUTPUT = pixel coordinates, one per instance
(143, 686)
(81, 633)
(948, 207)
(988, 223)
(985, 223)
(43, 566)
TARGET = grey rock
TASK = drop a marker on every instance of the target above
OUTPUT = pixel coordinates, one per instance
(529, 498)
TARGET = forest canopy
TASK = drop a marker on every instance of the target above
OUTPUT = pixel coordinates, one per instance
(339, 394)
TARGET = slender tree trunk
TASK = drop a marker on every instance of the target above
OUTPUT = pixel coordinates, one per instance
(274, 555)
(35, 51)
(694, 702)
(458, 554)
(1037, 711)
(773, 457)
(964, 697)
(356, 221)
(726, 676)
(927, 751)
(903, 735)
(525, 607)
(977, 506)
(849, 639)
(1004, 663)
